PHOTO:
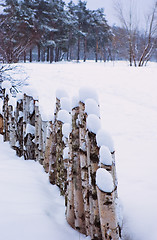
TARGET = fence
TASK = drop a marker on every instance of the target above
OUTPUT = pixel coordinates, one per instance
(76, 153)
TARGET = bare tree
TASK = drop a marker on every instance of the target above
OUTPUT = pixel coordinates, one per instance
(140, 46)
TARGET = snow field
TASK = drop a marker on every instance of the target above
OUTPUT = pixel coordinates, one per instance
(128, 111)
(30, 207)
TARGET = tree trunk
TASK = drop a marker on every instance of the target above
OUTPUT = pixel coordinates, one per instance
(78, 49)
(48, 54)
(24, 56)
(85, 49)
(51, 55)
(30, 55)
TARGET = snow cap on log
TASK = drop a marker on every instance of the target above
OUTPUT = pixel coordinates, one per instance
(60, 93)
(30, 129)
(29, 91)
(91, 107)
(65, 104)
(66, 129)
(93, 123)
(105, 156)
(66, 153)
(19, 96)
(104, 180)
(64, 116)
(104, 138)
(87, 92)
(1, 105)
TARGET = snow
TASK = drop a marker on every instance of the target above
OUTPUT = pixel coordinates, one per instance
(12, 101)
(30, 129)
(1, 106)
(65, 104)
(105, 156)
(30, 207)
(66, 129)
(60, 93)
(64, 116)
(93, 123)
(66, 153)
(127, 98)
(75, 102)
(87, 92)
(6, 84)
(104, 180)
(91, 107)
(104, 138)
(30, 92)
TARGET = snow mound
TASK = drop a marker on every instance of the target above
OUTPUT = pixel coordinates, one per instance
(66, 129)
(93, 123)
(65, 104)
(64, 116)
(60, 93)
(104, 138)
(66, 153)
(12, 101)
(91, 107)
(104, 180)
(29, 91)
(105, 156)
(87, 92)
(19, 96)
(30, 129)
(6, 84)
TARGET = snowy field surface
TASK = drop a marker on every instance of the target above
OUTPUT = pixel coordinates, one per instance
(31, 207)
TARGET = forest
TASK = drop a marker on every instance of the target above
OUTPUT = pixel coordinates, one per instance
(52, 31)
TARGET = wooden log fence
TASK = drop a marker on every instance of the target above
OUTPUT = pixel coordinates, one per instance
(78, 156)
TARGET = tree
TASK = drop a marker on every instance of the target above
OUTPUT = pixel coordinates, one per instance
(140, 46)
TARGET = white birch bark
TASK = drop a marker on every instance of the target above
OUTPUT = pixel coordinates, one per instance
(108, 218)
(70, 216)
(78, 196)
(84, 165)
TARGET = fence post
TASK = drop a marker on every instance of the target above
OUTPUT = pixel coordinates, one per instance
(84, 165)
(107, 208)
(19, 127)
(29, 127)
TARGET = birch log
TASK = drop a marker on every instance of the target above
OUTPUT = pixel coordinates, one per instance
(108, 219)
(78, 196)
(93, 158)
(12, 132)
(70, 188)
(60, 178)
(5, 118)
(19, 127)
(48, 157)
(1, 124)
(52, 163)
(84, 165)
(29, 127)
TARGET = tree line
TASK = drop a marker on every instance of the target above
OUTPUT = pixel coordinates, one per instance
(54, 28)
(50, 30)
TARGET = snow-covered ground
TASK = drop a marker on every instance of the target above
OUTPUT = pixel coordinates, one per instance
(128, 109)
(30, 207)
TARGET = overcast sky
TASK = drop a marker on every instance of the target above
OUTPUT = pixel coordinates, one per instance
(143, 7)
